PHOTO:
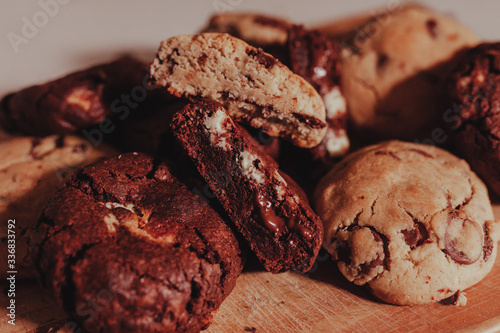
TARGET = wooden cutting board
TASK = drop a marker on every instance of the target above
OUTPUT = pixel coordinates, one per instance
(320, 301)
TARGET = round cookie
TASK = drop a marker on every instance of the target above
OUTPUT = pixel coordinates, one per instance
(125, 235)
(412, 222)
(393, 69)
(31, 170)
(474, 113)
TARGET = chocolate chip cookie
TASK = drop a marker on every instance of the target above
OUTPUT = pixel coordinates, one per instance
(125, 247)
(393, 70)
(76, 101)
(412, 222)
(254, 86)
(474, 113)
(308, 53)
(266, 206)
(31, 170)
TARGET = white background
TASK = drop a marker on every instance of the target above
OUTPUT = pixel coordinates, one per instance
(86, 32)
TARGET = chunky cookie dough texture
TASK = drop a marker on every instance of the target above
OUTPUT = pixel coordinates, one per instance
(474, 111)
(31, 170)
(393, 67)
(412, 222)
(126, 234)
(254, 86)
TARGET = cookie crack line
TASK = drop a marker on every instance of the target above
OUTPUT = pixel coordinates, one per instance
(68, 290)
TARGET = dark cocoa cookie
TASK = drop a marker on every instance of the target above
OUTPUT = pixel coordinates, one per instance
(410, 221)
(474, 114)
(124, 235)
(267, 207)
(77, 100)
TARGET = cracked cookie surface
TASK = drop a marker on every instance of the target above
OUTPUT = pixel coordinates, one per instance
(125, 235)
(31, 170)
(410, 221)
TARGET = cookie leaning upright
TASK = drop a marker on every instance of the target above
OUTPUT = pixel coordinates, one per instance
(252, 85)
(413, 222)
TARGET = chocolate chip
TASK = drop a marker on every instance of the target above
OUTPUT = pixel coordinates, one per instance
(202, 60)
(416, 236)
(461, 239)
(431, 27)
(382, 60)
(262, 57)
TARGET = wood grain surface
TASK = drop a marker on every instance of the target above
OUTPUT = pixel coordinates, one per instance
(321, 300)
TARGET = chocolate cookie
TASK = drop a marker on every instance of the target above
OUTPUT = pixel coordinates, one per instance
(266, 206)
(254, 87)
(393, 67)
(474, 114)
(31, 170)
(410, 221)
(75, 101)
(126, 236)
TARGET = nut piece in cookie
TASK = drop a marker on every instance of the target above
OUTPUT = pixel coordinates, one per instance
(474, 113)
(411, 221)
(126, 234)
(393, 69)
(266, 206)
(252, 85)
(73, 102)
(31, 170)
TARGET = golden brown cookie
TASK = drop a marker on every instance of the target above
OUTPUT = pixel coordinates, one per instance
(412, 222)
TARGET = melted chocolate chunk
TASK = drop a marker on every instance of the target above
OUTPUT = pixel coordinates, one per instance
(262, 57)
(416, 236)
(269, 217)
(450, 242)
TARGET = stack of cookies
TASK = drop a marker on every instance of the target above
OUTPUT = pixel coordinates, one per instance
(218, 146)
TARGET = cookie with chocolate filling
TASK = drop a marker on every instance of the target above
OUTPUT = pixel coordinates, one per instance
(127, 237)
(474, 114)
(76, 101)
(410, 221)
(266, 206)
(254, 86)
